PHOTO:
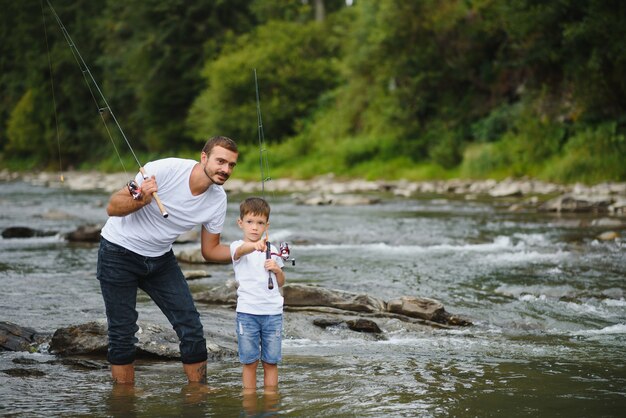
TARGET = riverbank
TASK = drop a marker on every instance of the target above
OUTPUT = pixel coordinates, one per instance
(607, 197)
(88, 180)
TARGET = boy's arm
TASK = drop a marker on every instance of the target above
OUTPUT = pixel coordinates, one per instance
(248, 247)
(280, 277)
(273, 266)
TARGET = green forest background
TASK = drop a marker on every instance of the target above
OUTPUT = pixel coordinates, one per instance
(379, 89)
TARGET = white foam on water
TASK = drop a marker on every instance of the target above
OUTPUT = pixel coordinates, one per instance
(527, 257)
(613, 302)
(610, 330)
(536, 292)
(500, 243)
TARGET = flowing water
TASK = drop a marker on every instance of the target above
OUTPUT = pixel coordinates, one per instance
(546, 297)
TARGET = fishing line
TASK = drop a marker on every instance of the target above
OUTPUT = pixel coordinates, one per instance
(54, 101)
(104, 107)
(263, 160)
(265, 176)
(264, 163)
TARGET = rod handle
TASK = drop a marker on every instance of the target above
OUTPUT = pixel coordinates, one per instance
(155, 196)
(268, 255)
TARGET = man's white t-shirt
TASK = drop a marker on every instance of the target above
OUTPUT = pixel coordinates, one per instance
(253, 296)
(147, 232)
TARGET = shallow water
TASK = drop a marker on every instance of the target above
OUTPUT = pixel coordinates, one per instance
(547, 300)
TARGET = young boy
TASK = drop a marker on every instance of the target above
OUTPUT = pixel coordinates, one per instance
(259, 304)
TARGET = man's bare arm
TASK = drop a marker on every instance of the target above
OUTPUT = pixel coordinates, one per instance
(122, 203)
(212, 250)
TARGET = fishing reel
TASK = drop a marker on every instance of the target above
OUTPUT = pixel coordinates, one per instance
(134, 190)
(285, 253)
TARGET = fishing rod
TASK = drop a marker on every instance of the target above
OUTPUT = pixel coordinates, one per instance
(285, 253)
(264, 163)
(102, 109)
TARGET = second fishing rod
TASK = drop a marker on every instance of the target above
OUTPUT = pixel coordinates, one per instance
(284, 251)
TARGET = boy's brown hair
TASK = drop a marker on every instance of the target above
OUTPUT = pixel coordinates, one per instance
(254, 206)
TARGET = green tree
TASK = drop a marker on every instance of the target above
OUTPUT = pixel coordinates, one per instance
(153, 57)
(293, 63)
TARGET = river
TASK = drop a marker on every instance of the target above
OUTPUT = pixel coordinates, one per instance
(546, 297)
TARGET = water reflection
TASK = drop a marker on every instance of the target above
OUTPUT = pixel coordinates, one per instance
(266, 404)
(122, 400)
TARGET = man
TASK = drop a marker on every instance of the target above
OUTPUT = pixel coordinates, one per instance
(136, 251)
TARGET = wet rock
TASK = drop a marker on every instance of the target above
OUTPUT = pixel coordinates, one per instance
(56, 215)
(193, 256)
(364, 325)
(304, 295)
(17, 338)
(153, 341)
(78, 363)
(577, 203)
(195, 274)
(25, 232)
(335, 199)
(607, 223)
(426, 309)
(18, 372)
(506, 189)
(89, 338)
(300, 297)
(225, 294)
(619, 206)
(415, 307)
(327, 322)
(85, 233)
(608, 236)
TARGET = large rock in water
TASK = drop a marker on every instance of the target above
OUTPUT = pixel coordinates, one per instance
(25, 232)
(85, 233)
(16, 338)
(304, 295)
(154, 341)
(300, 296)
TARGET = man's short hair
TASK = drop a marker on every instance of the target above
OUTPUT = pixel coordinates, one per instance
(219, 141)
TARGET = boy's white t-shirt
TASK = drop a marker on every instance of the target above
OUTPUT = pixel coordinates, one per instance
(253, 296)
(147, 232)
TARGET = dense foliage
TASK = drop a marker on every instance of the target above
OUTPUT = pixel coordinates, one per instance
(381, 89)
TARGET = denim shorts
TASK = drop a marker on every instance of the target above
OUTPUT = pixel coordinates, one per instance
(259, 337)
(121, 272)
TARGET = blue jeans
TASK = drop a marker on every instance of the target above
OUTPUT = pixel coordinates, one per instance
(121, 272)
(259, 337)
